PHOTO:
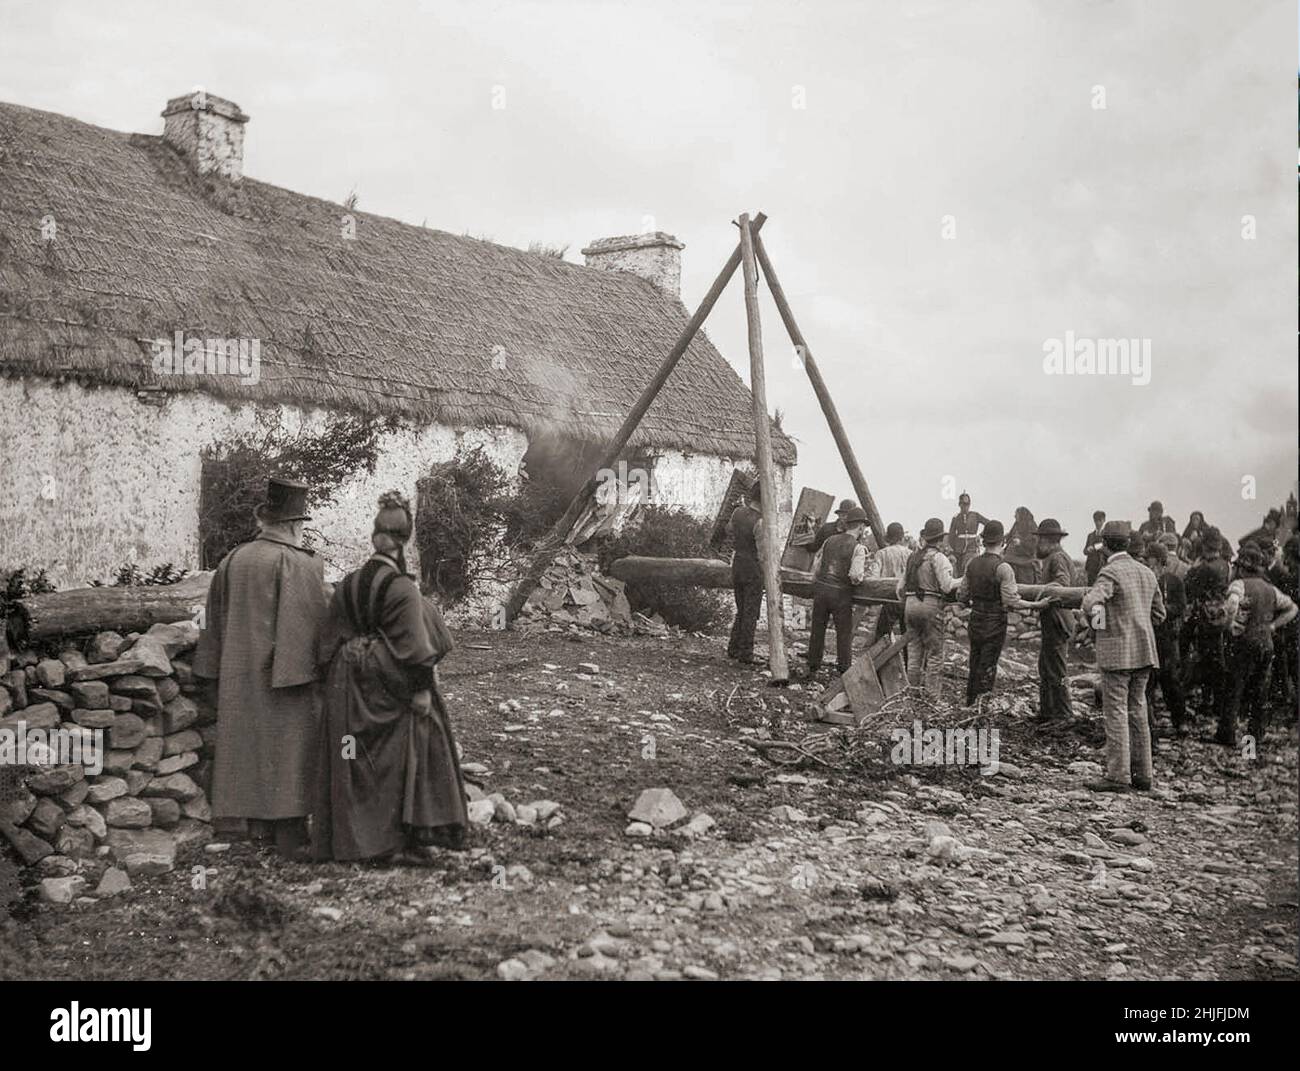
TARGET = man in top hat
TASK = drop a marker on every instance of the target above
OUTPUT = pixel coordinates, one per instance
(745, 528)
(265, 608)
(843, 564)
(889, 563)
(989, 586)
(1121, 609)
(963, 532)
(1056, 624)
(926, 581)
(1156, 523)
(834, 527)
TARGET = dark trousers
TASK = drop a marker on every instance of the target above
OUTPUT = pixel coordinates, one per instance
(1170, 679)
(1053, 688)
(988, 632)
(1209, 669)
(1285, 653)
(749, 601)
(1251, 666)
(836, 606)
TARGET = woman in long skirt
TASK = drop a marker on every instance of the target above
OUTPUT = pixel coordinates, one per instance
(391, 784)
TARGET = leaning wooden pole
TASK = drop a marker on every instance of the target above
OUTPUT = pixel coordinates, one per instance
(560, 530)
(763, 459)
(823, 394)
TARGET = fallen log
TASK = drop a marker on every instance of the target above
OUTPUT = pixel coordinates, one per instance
(713, 573)
(125, 609)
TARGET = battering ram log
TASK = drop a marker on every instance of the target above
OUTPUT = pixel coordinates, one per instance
(711, 573)
(127, 609)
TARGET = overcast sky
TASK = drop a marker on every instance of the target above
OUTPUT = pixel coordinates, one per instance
(1117, 222)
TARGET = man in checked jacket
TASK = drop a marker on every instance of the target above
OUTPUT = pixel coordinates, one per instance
(1121, 608)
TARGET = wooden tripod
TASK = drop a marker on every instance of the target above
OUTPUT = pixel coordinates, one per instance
(750, 255)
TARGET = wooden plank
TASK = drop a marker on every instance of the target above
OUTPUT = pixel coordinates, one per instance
(809, 515)
(863, 687)
(892, 677)
(732, 497)
(776, 657)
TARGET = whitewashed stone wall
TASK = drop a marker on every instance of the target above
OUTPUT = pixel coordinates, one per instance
(94, 477)
(697, 482)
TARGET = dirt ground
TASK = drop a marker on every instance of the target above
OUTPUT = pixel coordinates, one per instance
(872, 870)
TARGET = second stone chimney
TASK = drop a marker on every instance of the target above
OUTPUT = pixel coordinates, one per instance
(209, 130)
(655, 256)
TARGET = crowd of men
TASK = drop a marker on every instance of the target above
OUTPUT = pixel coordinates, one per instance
(1178, 614)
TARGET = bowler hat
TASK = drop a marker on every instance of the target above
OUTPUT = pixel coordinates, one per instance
(856, 514)
(847, 505)
(1117, 530)
(286, 500)
(933, 530)
(1049, 526)
(894, 532)
(993, 533)
(1157, 504)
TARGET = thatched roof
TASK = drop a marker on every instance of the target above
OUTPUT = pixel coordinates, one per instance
(403, 319)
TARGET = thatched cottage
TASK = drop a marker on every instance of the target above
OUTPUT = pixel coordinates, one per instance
(153, 300)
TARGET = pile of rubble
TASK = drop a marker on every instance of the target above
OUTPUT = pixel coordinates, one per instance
(573, 593)
(116, 753)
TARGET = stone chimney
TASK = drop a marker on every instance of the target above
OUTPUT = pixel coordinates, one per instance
(655, 256)
(209, 130)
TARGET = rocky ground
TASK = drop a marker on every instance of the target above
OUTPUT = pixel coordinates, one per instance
(843, 866)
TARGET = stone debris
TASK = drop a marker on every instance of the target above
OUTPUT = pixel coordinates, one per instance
(572, 593)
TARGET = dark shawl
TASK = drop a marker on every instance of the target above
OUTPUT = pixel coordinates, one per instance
(387, 770)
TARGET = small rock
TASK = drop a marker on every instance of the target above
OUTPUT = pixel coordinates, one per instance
(62, 890)
(114, 882)
(103, 789)
(783, 812)
(658, 807)
(51, 673)
(105, 647)
(699, 824)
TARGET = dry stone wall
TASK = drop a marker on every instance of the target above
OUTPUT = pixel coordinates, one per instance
(118, 747)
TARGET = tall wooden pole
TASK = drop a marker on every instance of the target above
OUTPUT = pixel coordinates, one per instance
(763, 458)
(823, 394)
(560, 530)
